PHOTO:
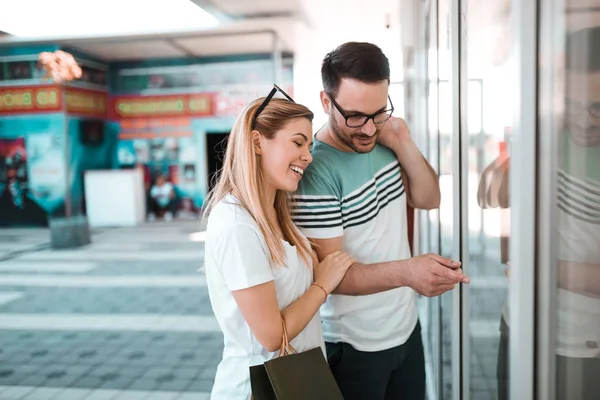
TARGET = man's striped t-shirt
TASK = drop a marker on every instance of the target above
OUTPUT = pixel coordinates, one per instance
(360, 197)
(578, 228)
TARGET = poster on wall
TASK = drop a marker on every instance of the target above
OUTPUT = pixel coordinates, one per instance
(126, 153)
(142, 151)
(45, 158)
(163, 146)
(16, 205)
(189, 174)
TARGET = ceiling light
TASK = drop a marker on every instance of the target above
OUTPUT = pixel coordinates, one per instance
(87, 18)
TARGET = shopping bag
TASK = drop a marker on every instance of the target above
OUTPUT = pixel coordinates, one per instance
(294, 376)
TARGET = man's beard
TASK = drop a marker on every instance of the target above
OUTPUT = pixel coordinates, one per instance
(589, 136)
(347, 138)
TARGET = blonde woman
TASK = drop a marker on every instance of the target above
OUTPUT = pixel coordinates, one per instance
(260, 268)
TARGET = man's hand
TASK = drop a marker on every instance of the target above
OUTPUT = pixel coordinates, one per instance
(393, 133)
(432, 275)
(419, 179)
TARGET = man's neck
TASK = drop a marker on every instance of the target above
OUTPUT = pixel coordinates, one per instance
(327, 136)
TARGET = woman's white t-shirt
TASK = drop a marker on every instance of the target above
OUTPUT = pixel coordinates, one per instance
(237, 257)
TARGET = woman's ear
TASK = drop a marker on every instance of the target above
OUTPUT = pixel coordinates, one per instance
(256, 136)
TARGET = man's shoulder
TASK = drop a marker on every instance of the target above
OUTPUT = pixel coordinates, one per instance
(383, 154)
(333, 164)
(324, 162)
(324, 154)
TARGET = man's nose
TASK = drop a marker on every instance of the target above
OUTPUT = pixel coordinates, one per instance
(369, 128)
(584, 119)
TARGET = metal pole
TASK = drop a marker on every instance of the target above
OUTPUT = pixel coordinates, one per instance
(522, 292)
(67, 152)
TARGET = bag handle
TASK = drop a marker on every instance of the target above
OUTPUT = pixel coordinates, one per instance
(286, 348)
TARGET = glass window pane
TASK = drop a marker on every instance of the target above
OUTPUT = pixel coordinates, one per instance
(447, 216)
(446, 109)
(396, 93)
(487, 70)
(577, 224)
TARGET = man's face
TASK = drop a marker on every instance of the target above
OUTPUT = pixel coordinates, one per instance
(356, 99)
(582, 108)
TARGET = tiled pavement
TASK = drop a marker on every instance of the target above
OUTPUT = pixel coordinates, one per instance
(126, 317)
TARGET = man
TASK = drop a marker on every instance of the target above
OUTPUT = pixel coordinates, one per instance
(163, 199)
(353, 197)
(578, 222)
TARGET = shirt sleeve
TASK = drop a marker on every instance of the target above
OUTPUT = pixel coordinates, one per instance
(316, 206)
(242, 258)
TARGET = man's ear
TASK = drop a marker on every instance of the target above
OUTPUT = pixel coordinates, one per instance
(256, 137)
(325, 101)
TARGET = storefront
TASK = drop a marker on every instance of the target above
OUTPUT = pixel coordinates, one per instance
(503, 99)
(167, 116)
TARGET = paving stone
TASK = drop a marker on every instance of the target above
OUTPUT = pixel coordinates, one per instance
(171, 361)
(200, 385)
(144, 384)
(89, 382)
(175, 385)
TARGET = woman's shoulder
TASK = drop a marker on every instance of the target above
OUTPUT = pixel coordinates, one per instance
(228, 214)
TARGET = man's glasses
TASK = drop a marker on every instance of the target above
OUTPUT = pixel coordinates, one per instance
(358, 120)
(574, 109)
(261, 108)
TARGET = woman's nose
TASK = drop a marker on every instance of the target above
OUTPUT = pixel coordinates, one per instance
(307, 156)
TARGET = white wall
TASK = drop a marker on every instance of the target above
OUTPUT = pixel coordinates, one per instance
(332, 22)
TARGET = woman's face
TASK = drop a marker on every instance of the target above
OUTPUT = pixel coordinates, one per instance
(284, 158)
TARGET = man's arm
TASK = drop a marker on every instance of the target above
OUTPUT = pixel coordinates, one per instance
(419, 178)
(430, 274)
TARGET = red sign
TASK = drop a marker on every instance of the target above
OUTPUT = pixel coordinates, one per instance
(142, 128)
(30, 99)
(183, 105)
(86, 102)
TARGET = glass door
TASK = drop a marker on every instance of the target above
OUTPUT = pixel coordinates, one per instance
(447, 145)
(486, 119)
(568, 339)
(471, 101)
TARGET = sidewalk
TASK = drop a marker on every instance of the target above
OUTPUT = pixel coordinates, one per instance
(127, 317)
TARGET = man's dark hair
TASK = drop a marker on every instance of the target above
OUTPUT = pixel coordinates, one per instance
(364, 62)
(583, 51)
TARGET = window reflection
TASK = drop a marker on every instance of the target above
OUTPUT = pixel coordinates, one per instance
(578, 221)
(488, 132)
(447, 217)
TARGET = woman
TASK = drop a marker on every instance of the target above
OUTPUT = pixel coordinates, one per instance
(259, 267)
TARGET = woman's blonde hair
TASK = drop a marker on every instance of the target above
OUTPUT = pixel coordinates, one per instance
(241, 174)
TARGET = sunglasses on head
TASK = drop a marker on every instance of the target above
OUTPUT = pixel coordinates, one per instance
(267, 99)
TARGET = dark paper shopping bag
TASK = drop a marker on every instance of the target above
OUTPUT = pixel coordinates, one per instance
(294, 376)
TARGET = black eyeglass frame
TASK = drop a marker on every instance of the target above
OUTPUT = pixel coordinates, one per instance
(366, 116)
(593, 109)
(266, 101)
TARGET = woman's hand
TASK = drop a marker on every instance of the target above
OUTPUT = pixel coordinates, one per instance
(330, 272)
